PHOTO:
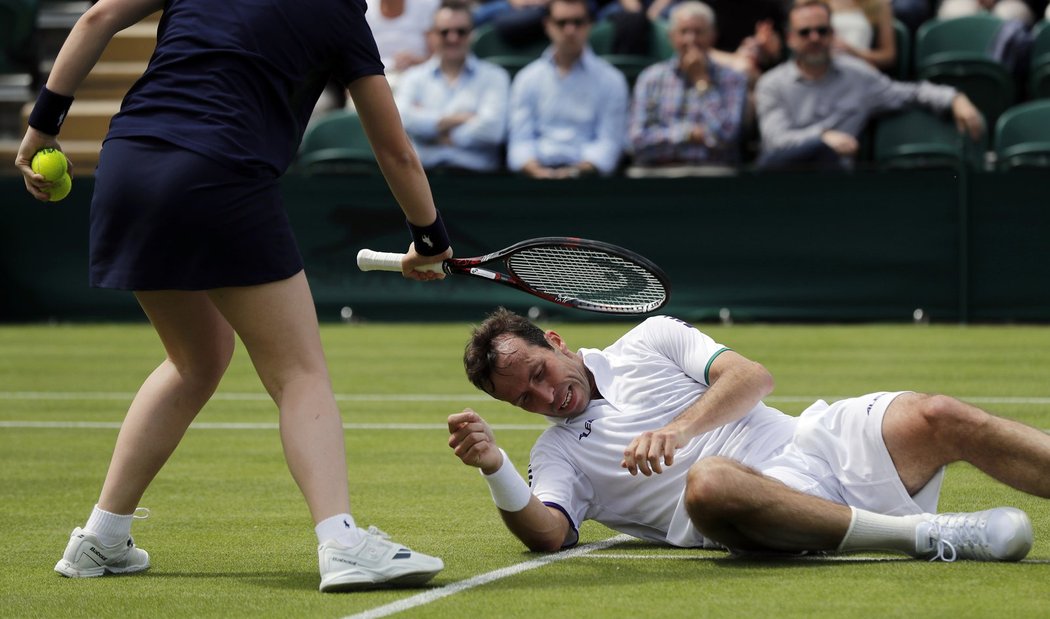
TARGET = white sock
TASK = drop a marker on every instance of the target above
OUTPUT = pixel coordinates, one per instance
(871, 531)
(341, 528)
(111, 529)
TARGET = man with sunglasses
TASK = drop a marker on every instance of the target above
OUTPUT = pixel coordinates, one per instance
(812, 108)
(454, 106)
(568, 108)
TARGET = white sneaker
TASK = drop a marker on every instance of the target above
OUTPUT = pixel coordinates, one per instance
(375, 562)
(85, 557)
(1000, 534)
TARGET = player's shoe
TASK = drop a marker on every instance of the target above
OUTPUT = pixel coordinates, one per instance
(1000, 534)
(85, 557)
(375, 562)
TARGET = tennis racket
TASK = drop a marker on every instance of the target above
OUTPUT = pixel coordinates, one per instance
(579, 273)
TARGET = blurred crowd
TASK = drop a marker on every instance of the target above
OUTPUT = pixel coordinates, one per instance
(669, 87)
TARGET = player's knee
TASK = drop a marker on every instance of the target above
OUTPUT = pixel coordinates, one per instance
(950, 420)
(207, 364)
(712, 488)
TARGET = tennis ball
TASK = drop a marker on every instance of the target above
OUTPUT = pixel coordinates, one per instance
(50, 163)
(60, 188)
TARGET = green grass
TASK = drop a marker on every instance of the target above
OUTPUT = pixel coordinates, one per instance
(230, 535)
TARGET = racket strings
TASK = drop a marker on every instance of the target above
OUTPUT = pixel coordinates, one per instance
(589, 275)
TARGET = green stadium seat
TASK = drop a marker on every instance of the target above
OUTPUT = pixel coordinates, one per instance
(631, 65)
(973, 34)
(1022, 136)
(956, 52)
(337, 144)
(916, 138)
(1039, 69)
(903, 40)
(489, 44)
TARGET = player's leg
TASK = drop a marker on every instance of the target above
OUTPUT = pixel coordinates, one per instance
(743, 509)
(278, 324)
(198, 344)
(925, 432)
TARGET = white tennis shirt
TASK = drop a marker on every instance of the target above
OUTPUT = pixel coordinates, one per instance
(647, 378)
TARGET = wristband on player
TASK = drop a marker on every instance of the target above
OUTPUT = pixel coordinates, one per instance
(430, 240)
(509, 491)
(49, 112)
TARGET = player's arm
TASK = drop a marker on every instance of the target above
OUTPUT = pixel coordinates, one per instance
(737, 384)
(539, 527)
(76, 58)
(401, 169)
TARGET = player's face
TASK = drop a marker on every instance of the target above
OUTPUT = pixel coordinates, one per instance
(568, 26)
(451, 34)
(548, 382)
(810, 35)
(691, 32)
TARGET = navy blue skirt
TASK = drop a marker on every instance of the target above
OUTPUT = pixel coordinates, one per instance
(164, 218)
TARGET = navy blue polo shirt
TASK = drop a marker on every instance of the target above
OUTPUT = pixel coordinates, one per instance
(237, 80)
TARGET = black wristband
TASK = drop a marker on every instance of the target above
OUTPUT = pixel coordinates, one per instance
(49, 112)
(430, 240)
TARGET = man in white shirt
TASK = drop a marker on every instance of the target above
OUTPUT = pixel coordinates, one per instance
(721, 469)
(454, 106)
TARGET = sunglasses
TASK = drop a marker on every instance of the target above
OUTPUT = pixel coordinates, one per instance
(460, 32)
(579, 22)
(822, 31)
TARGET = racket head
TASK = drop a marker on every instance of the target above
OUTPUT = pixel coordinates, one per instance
(585, 274)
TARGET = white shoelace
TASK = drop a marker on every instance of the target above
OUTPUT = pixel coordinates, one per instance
(942, 545)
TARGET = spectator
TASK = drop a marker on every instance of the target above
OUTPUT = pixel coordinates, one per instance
(811, 109)
(400, 30)
(689, 109)
(454, 105)
(864, 28)
(751, 33)
(568, 108)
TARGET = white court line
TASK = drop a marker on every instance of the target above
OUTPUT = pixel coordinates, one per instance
(484, 579)
(115, 425)
(584, 552)
(435, 397)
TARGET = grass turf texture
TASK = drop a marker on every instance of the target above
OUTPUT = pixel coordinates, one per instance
(230, 534)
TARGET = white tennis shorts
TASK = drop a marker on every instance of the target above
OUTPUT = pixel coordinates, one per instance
(838, 453)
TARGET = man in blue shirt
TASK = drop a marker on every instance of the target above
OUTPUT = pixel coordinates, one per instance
(568, 109)
(454, 106)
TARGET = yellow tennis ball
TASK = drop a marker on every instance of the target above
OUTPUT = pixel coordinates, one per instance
(60, 188)
(50, 163)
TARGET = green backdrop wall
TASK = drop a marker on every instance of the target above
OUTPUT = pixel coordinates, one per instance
(869, 246)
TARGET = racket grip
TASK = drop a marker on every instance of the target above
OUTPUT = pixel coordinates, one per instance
(368, 260)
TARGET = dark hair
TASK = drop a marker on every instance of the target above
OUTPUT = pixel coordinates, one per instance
(586, 5)
(481, 357)
(799, 4)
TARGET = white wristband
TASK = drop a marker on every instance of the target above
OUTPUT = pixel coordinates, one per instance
(509, 491)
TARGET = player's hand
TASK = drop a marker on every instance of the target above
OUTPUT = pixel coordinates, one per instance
(649, 452)
(33, 141)
(412, 260)
(470, 438)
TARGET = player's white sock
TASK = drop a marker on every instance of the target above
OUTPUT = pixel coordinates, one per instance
(341, 528)
(110, 528)
(871, 531)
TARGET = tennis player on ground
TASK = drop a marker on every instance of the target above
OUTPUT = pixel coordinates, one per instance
(721, 469)
(187, 213)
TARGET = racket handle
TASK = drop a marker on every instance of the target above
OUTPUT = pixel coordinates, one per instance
(368, 260)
